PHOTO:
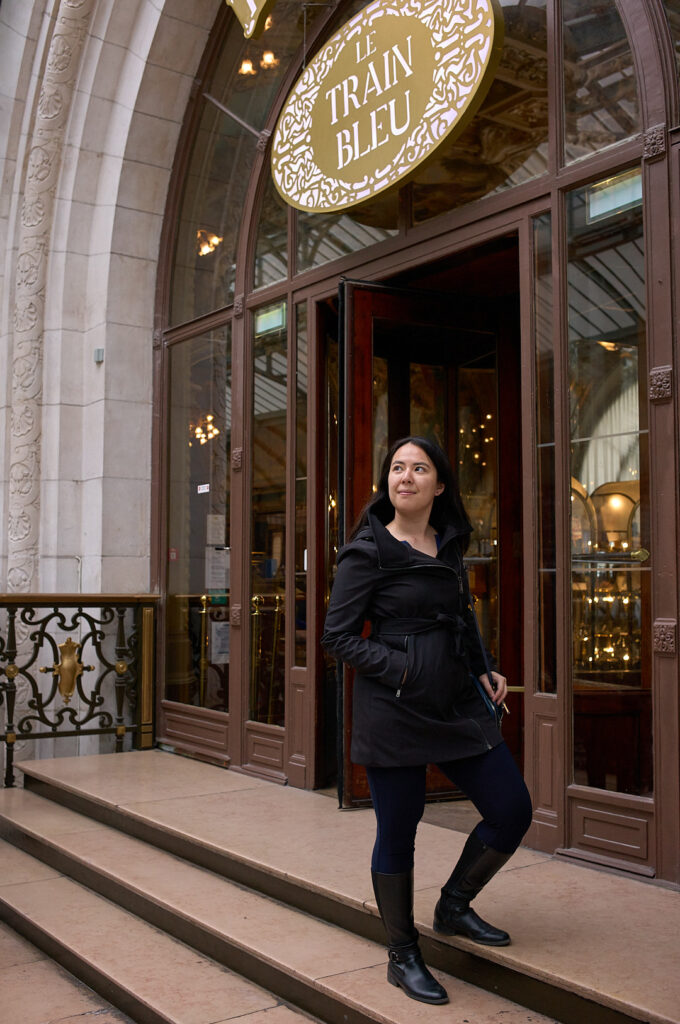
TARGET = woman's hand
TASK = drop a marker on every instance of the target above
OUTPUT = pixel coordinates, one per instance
(497, 688)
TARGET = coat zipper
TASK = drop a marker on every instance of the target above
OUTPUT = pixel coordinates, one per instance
(405, 675)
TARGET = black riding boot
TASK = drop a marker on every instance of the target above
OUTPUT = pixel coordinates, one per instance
(406, 968)
(453, 914)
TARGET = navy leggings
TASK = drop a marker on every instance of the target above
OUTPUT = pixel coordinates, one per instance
(491, 780)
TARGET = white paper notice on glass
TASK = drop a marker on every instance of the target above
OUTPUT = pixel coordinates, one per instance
(215, 530)
(217, 568)
(219, 643)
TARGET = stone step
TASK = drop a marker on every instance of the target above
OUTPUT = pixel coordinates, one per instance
(152, 900)
(574, 929)
(149, 975)
(35, 989)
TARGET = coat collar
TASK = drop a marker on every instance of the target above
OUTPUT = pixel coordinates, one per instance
(393, 554)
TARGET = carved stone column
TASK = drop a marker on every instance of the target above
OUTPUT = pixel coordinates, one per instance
(42, 173)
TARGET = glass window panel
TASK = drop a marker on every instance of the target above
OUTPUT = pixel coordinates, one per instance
(271, 244)
(197, 635)
(268, 514)
(506, 143)
(246, 80)
(323, 237)
(672, 8)
(380, 415)
(330, 693)
(478, 481)
(545, 454)
(428, 397)
(301, 487)
(600, 89)
(612, 698)
(609, 491)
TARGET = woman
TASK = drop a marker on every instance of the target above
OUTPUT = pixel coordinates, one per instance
(415, 701)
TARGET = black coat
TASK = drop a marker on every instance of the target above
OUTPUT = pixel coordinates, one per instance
(421, 625)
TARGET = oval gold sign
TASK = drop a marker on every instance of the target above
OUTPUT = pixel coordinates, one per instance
(381, 96)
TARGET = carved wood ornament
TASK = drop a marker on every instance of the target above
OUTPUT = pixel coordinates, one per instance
(661, 384)
(665, 631)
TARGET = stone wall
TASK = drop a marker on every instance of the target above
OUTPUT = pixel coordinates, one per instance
(94, 93)
(92, 97)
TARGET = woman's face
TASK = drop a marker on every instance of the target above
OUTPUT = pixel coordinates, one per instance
(412, 481)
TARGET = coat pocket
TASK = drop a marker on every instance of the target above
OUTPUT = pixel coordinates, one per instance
(429, 682)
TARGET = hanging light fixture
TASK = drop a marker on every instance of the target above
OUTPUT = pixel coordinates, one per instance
(269, 60)
(203, 431)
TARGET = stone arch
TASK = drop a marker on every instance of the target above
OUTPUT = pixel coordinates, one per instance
(92, 423)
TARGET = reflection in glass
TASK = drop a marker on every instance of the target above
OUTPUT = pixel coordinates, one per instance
(197, 635)
(672, 8)
(600, 89)
(323, 237)
(268, 515)
(428, 402)
(478, 480)
(301, 486)
(222, 159)
(506, 143)
(330, 692)
(609, 488)
(271, 244)
(545, 453)
(380, 415)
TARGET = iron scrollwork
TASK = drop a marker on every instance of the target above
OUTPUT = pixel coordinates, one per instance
(71, 703)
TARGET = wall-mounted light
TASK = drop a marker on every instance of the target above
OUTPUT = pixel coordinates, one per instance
(247, 67)
(206, 241)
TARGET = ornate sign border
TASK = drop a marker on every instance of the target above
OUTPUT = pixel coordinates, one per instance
(252, 14)
(467, 37)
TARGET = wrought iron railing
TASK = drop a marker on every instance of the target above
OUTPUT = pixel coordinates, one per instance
(94, 653)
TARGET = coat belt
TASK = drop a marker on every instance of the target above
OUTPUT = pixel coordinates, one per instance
(455, 624)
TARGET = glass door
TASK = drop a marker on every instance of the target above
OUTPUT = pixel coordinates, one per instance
(197, 648)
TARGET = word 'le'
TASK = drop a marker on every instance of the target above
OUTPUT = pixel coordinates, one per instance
(353, 94)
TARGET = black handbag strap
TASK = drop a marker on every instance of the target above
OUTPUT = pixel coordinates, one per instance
(471, 606)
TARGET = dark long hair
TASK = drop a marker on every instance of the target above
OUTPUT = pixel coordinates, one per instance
(447, 507)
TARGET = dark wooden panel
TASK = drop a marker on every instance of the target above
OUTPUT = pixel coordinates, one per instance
(195, 731)
(264, 750)
(615, 830)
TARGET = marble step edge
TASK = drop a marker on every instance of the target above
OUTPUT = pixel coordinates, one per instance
(293, 985)
(62, 946)
(318, 999)
(478, 965)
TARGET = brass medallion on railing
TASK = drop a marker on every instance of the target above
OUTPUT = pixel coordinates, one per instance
(69, 669)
